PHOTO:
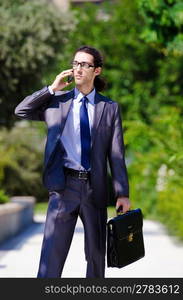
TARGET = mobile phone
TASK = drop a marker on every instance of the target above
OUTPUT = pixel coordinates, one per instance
(70, 78)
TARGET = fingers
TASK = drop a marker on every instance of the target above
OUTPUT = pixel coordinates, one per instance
(125, 207)
(59, 82)
(67, 83)
(122, 208)
(124, 204)
(65, 73)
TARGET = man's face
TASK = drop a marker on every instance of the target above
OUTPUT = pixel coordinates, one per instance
(83, 75)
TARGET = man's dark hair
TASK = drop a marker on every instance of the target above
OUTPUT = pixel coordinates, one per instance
(99, 82)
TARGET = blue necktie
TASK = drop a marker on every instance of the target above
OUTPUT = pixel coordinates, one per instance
(85, 135)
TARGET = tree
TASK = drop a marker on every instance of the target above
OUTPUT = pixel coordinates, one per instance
(21, 161)
(32, 34)
(164, 24)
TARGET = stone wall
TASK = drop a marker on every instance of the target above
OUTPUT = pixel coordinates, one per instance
(15, 216)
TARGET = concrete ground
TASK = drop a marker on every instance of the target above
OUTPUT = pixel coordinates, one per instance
(19, 257)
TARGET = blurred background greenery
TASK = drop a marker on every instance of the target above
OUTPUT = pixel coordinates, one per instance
(142, 44)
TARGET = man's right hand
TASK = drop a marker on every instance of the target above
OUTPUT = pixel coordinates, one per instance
(59, 82)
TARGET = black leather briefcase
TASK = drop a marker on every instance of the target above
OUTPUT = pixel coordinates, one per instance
(125, 243)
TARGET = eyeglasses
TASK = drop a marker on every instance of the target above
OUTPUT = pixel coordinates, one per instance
(83, 65)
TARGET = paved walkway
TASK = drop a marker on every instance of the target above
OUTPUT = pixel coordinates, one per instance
(19, 256)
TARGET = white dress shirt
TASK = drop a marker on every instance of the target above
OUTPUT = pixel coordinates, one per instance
(70, 137)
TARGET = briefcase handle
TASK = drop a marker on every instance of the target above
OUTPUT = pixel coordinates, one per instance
(119, 211)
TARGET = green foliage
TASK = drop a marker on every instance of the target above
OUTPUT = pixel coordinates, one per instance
(152, 166)
(21, 161)
(3, 197)
(41, 208)
(164, 24)
(170, 208)
(32, 34)
(129, 63)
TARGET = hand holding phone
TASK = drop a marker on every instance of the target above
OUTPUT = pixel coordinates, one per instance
(61, 80)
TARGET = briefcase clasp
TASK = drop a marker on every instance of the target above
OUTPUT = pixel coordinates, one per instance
(130, 237)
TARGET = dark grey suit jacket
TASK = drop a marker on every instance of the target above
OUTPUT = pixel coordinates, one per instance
(106, 136)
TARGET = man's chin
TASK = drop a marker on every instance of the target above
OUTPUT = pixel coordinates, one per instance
(78, 81)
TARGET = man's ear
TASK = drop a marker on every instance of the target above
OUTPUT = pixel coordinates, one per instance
(98, 70)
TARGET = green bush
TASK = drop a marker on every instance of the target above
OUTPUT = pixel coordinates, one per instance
(164, 23)
(33, 34)
(3, 197)
(156, 165)
(170, 207)
(21, 162)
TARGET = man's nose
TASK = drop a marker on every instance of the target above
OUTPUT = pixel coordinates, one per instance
(78, 67)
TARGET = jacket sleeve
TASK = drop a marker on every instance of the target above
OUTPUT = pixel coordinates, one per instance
(33, 106)
(116, 157)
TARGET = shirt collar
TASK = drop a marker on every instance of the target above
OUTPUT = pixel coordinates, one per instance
(78, 95)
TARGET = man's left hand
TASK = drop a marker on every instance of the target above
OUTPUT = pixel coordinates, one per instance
(124, 202)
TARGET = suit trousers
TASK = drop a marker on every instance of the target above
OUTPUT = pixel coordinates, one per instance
(63, 210)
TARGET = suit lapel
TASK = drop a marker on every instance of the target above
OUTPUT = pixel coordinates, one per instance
(65, 107)
(99, 108)
(61, 117)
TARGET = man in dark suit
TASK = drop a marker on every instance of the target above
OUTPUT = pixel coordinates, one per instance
(84, 132)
